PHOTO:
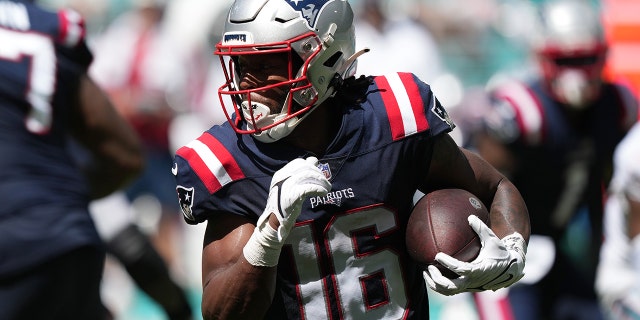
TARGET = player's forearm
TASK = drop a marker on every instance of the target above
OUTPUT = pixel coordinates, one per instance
(509, 212)
(241, 291)
(118, 154)
(104, 177)
(116, 148)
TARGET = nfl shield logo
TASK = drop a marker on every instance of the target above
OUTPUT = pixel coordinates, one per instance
(324, 167)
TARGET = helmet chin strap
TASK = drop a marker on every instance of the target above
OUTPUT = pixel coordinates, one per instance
(275, 133)
(279, 131)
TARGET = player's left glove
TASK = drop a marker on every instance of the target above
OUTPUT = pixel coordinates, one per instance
(290, 187)
(499, 264)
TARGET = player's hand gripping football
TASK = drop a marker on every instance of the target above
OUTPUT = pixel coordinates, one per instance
(499, 264)
(290, 187)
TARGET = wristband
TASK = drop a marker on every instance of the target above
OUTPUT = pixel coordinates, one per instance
(263, 248)
(516, 242)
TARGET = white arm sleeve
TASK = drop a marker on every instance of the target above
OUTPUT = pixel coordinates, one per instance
(616, 275)
(111, 214)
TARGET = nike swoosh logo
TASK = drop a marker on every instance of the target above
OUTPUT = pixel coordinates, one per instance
(511, 276)
(174, 170)
(279, 186)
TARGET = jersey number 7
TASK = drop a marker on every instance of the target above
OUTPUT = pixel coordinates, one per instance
(32, 56)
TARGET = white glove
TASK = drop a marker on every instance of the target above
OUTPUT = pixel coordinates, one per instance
(290, 187)
(499, 264)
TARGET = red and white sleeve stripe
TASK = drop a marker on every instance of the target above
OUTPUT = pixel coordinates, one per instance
(72, 27)
(528, 111)
(404, 104)
(211, 162)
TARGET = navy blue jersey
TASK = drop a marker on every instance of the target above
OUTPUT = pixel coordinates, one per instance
(564, 158)
(345, 258)
(44, 197)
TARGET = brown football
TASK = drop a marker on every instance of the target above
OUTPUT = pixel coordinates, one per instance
(438, 223)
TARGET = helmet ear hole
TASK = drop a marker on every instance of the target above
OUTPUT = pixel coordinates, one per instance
(296, 62)
(331, 62)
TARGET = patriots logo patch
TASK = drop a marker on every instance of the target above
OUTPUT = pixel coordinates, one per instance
(309, 9)
(185, 197)
(439, 111)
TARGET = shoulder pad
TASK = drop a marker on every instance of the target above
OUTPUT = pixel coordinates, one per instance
(629, 105)
(211, 162)
(72, 28)
(411, 106)
(517, 113)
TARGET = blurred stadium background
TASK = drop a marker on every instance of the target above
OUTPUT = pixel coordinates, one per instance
(474, 42)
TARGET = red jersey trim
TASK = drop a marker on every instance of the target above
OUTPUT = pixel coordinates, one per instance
(211, 162)
(404, 104)
(72, 28)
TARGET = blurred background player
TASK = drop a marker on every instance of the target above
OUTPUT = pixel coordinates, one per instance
(151, 78)
(115, 221)
(618, 276)
(143, 72)
(554, 134)
(51, 255)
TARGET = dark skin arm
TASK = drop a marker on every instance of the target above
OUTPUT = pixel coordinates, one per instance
(116, 149)
(454, 167)
(233, 288)
(496, 153)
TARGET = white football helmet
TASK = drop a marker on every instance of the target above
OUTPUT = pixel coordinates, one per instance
(320, 39)
(572, 50)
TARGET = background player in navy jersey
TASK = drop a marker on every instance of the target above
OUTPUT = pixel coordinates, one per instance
(553, 135)
(307, 189)
(51, 257)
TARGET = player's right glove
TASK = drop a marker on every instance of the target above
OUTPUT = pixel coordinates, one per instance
(499, 264)
(290, 187)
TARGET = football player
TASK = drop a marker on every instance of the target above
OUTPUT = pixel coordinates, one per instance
(307, 189)
(553, 135)
(617, 276)
(51, 257)
(114, 219)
